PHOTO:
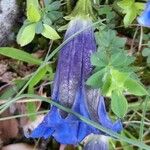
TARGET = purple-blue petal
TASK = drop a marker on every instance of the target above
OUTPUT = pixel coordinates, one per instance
(105, 120)
(66, 133)
(42, 131)
(71, 130)
(74, 61)
(144, 19)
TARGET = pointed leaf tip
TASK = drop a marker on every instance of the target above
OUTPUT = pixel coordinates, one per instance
(26, 34)
(119, 104)
(50, 33)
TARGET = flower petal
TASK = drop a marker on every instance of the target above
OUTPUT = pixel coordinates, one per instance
(144, 19)
(74, 64)
(105, 120)
(66, 133)
(42, 131)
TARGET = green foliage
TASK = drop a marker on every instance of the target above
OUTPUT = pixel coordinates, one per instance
(36, 79)
(26, 57)
(146, 53)
(107, 12)
(32, 2)
(31, 108)
(39, 27)
(134, 87)
(33, 13)
(51, 11)
(18, 84)
(49, 32)
(38, 21)
(119, 104)
(19, 55)
(107, 40)
(96, 79)
(13, 89)
(26, 34)
(113, 72)
(131, 9)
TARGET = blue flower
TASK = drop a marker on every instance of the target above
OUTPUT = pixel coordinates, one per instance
(70, 90)
(144, 19)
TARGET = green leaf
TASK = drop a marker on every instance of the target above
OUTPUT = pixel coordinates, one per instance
(131, 9)
(33, 13)
(50, 33)
(96, 79)
(117, 61)
(146, 52)
(26, 34)
(134, 87)
(47, 2)
(108, 12)
(13, 89)
(125, 4)
(148, 42)
(108, 41)
(46, 19)
(99, 59)
(106, 84)
(39, 27)
(112, 57)
(105, 10)
(54, 6)
(124, 145)
(119, 77)
(115, 81)
(19, 55)
(37, 78)
(32, 2)
(148, 60)
(131, 14)
(140, 6)
(31, 108)
(119, 42)
(55, 15)
(119, 104)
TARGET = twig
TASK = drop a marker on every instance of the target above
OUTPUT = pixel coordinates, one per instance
(132, 44)
(49, 49)
(23, 115)
(141, 40)
(20, 101)
(136, 122)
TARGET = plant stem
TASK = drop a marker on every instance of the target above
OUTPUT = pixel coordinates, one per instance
(138, 106)
(142, 120)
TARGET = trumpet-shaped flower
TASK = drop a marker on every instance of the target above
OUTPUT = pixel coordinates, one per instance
(70, 90)
(144, 19)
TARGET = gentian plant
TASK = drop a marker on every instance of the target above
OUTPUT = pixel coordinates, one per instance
(144, 19)
(70, 89)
